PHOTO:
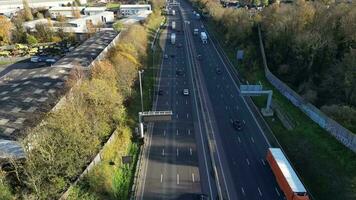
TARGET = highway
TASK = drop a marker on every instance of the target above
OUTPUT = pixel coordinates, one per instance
(175, 164)
(226, 163)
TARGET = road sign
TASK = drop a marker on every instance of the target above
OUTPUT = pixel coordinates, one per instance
(155, 116)
(250, 88)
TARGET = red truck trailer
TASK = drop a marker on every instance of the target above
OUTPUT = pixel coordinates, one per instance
(286, 177)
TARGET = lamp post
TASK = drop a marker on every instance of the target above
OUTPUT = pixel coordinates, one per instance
(140, 78)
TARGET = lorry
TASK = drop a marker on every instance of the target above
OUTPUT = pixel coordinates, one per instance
(197, 16)
(173, 25)
(286, 177)
(196, 31)
(173, 38)
(203, 37)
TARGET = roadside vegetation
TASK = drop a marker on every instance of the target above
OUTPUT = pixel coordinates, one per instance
(100, 103)
(326, 167)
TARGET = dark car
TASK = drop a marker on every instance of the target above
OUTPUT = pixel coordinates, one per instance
(173, 55)
(160, 92)
(179, 72)
(218, 70)
(201, 197)
(238, 124)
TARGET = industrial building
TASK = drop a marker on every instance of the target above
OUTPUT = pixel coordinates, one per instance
(127, 10)
(9, 7)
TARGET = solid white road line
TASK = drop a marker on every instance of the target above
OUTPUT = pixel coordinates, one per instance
(248, 162)
(177, 179)
(277, 191)
(187, 115)
(177, 152)
(188, 131)
(263, 162)
(238, 138)
(162, 152)
(259, 191)
(161, 178)
(252, 140)
(177, 132)
(191, 151)
(193, 177)
(164, 133)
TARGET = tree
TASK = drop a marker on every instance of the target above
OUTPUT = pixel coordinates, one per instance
(76, 12)
(44, 32)
(27, 10)
(5, 30)
(31, 40)
(19, 34)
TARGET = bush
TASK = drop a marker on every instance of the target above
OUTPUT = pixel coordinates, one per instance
(31, 40)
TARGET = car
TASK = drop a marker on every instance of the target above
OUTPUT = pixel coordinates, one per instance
(179, 72)
(199, 57)
(165, 56)
(173, 55)
(51, 60)
(201, 197)
(238, 124)
(185, 92)
(218, 70)
(160, 92)
(35, 59)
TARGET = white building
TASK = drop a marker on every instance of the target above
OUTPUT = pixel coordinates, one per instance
(93, 10)
(127, 10)
(9, 7)
(141, 16)
(64, 11)
(80, 25)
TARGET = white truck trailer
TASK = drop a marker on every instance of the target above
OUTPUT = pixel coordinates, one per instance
(203, 37)
(173, 38)
(173, 25)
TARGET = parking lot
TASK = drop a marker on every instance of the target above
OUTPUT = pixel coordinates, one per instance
(29, 90)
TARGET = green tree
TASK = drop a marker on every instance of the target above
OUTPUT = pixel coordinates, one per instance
(31, 40)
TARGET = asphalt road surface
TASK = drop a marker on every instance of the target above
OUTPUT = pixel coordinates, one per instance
(176, 164)
(226, 163)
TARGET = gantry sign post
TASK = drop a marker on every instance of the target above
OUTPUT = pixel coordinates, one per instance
(153, 116)
(256, 90)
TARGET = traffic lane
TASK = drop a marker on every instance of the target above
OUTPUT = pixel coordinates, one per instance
(250, 157)
(255, 156)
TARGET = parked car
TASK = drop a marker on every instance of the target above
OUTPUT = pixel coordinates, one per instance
(35, 59)
(185, 92)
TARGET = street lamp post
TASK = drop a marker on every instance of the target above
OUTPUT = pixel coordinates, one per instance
(140, 78)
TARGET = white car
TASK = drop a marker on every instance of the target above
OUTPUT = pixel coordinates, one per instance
(185, 92)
